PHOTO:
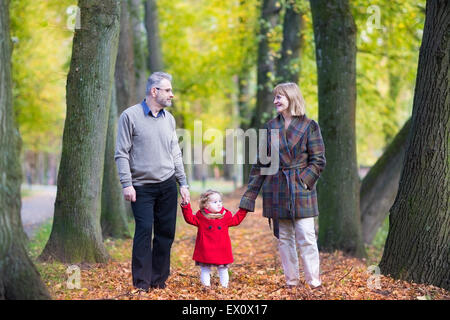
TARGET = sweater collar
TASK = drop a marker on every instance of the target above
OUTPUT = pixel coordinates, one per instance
(148, 112)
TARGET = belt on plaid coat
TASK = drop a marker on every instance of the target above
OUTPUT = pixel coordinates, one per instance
(289, 184)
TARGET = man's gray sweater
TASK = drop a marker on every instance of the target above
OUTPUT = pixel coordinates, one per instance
(147, 149)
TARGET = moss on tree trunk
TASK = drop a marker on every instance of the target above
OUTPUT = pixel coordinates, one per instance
(114, 217)
(76, 234)
(338, 188)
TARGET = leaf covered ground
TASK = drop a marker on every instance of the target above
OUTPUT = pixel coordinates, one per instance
(256, 273)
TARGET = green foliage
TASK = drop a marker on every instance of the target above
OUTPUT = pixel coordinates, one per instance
(388, 42)
(41, 51)
(208, 46)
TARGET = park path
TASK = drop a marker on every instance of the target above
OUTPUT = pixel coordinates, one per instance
(37, 208)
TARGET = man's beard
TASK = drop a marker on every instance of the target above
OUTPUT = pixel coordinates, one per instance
(164, 102)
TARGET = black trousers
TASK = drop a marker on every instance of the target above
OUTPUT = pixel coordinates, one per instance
(155, 207)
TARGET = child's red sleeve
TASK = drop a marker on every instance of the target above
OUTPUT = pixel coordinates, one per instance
(189, 217)
(238, 217)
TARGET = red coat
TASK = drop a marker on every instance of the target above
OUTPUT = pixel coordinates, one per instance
(213, 244)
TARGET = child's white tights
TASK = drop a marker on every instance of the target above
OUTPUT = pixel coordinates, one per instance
(205, 276)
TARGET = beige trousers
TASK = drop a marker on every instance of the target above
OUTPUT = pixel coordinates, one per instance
(302, 232)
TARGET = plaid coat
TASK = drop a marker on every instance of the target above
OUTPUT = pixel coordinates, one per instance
(301, 159)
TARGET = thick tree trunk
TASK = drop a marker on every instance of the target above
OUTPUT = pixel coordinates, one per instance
(114, 215)
(418, 244)
(155, 58)
(19, 278)
(288, 66)
(125, 78)
(379, 187)
(76, 233)
(338, 188)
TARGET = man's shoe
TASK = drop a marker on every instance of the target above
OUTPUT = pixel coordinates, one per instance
(139, 291)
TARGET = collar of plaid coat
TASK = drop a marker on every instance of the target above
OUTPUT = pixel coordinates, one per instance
(290, 137)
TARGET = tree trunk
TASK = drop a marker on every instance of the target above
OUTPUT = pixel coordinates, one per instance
(288, 66)
(270, 18)
(155, 60)
(114, 215)
(140, 46)
(379, 187)
(125, 78)
(125, 73)
(418, 244)
(76, 233)
(19, 278)
(338, 188)
(155, 55)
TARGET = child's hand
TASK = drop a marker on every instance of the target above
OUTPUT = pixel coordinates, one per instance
(184, 203)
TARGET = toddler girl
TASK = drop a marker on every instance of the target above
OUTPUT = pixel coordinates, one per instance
(213, 244)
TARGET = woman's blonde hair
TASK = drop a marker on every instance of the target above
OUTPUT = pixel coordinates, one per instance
(292, 92)
(204, 197)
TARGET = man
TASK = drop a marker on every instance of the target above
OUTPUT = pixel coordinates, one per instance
(149, 162)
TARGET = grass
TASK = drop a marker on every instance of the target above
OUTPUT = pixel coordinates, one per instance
(40, 238)
(375, 249)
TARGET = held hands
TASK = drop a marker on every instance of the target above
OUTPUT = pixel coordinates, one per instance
(185, 195)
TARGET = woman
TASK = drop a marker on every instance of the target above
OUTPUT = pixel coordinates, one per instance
(289, 196)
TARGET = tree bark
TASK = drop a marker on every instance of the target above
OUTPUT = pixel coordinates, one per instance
(338, 188)
(19, 278)
(114, 215)
(288, 65)
(76, 233)
(418, 244)
(270, 18)
(125, 78)
(155, 58)
(136, 8)
(379, 187)
(125, 74)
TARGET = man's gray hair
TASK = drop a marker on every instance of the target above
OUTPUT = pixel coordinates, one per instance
(155, 80)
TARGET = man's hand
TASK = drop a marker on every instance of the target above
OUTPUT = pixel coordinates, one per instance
(185, 195)
(129, 194)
